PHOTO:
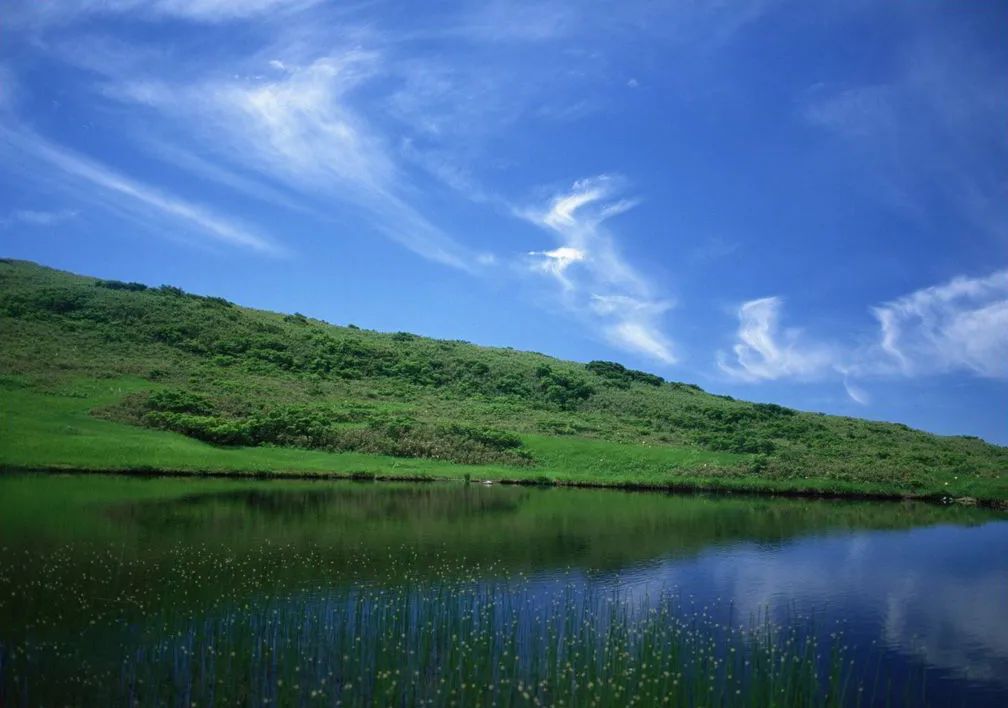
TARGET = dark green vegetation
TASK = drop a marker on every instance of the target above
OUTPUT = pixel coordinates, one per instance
(117, 590)
(106, 375)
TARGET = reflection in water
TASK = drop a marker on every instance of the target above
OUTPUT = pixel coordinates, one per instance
(138, 584)
(934, 595)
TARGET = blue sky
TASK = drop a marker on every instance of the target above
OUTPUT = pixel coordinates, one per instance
(783, 201)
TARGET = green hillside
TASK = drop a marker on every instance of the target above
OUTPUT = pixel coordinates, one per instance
(109, 375)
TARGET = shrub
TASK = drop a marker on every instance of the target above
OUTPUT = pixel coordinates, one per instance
(59, 301)
(561, 388)
(120, 285)
(176, 401)
(202, 427)
(216, 301)
(772, 410)
(619, 375)
(496, 439)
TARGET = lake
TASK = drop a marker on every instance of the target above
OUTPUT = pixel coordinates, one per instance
(175, 591)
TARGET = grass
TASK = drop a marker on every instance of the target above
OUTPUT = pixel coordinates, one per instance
(98, 375)
(56, 430)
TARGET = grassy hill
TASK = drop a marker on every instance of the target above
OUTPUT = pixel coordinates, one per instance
(109, 375)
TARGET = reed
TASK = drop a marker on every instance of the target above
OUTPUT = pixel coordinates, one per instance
(454, 642)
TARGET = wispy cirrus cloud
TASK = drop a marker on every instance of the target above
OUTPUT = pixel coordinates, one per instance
(290, 113)
(766, 351)
(119, 191)
(957, 326)
(960, 325)
(557, 261)
(636, 324)
(596, 280)
(193, 163)
(299, 127)
(856, 393)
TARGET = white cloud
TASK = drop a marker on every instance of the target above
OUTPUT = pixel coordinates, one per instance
(765, 352)
(635, 327)
(577, 217)
(568, 213)
(603, 287)
(642, 337)
(959, 325)
(624, 304)
(557, 261)
(301, 129)
(123, 191)
(856, 393)
(216, 171)
(301, 125)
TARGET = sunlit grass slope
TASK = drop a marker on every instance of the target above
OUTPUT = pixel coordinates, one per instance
(108, 375)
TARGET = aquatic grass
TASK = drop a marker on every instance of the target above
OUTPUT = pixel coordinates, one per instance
(455, 643)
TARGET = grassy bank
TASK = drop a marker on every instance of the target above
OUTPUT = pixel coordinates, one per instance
(57, 430)
(98, 375)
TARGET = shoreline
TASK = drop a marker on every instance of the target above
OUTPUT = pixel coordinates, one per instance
(540, 481)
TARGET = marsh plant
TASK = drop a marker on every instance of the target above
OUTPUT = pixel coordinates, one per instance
(457, 642)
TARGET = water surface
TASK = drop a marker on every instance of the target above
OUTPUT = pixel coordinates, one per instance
(114, 589)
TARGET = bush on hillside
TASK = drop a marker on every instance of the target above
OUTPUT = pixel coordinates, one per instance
(561, 388)
(619, 375)
(120, 285)
(329, 428)
(177, 401)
